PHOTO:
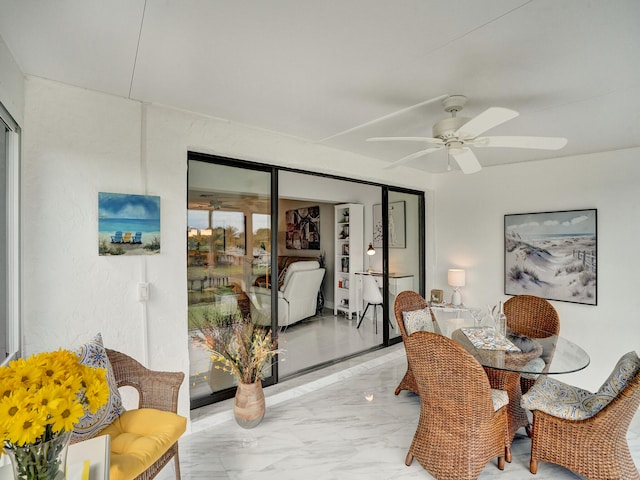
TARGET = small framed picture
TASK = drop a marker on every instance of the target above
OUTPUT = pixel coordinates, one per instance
(436, 296)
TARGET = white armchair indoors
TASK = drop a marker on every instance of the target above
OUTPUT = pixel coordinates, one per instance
(297, 297)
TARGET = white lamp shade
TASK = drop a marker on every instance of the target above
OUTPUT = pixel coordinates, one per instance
(456, 277)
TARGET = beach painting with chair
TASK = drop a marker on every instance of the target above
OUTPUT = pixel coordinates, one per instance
(128, 224)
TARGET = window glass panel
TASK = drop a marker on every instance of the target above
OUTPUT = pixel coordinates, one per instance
(231, 246)
(228, 255)
(331, 332)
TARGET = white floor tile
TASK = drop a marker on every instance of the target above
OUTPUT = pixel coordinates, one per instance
(343, 422)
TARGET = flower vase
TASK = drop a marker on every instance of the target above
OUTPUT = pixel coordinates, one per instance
(40, 461)
(249, 405)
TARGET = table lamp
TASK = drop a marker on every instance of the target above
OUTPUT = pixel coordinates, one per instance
(456, 278)
(370, 252)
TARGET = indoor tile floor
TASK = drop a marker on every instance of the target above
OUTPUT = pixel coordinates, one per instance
(309, 343)
(343, 422)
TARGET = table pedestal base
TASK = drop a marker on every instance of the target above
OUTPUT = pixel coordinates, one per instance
(516, 415)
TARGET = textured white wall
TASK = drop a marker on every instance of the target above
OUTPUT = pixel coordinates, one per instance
(469, 228)
(77, 143)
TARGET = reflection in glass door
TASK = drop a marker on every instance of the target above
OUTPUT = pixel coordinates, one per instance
(228, 253)
(406, 247)
(236, 241)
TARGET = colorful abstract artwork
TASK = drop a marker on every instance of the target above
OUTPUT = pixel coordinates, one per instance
(303, 228)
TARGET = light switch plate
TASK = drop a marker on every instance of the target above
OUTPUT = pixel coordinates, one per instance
(143, 291)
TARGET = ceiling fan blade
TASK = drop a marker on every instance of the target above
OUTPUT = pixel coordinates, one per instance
(385, 117)
(467, 161)
(411, 157)
(491, 117)
(541, 143)
(434, 141)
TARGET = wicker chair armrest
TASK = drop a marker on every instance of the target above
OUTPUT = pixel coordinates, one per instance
(156, 389)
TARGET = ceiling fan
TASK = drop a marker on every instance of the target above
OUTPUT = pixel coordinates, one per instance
(208, 202)
(229, 201)
(457, 134)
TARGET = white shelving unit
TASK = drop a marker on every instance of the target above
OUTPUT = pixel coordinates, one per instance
(349, 256)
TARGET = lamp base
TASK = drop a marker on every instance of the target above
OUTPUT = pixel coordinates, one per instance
(456, 298)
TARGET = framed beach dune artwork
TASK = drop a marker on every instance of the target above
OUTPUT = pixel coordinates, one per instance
(128, 224)
(552, 255)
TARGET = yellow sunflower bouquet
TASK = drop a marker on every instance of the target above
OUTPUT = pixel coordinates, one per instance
(41, 399)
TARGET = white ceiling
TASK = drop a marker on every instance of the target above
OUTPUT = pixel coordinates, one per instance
(316, 69)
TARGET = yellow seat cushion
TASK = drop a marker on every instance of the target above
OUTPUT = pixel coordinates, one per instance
(139, 438)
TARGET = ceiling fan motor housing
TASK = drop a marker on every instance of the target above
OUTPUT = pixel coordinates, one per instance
(445, 129)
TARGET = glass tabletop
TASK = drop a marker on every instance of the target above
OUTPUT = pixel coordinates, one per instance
(543, 351)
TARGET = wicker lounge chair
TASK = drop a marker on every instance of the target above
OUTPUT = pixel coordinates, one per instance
(460, 428)
(157, 390)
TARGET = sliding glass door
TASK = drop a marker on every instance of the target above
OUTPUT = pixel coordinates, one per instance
(331, 332)
(229, 245)
(249, 226)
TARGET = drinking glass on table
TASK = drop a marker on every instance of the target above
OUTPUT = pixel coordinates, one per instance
(477, 314)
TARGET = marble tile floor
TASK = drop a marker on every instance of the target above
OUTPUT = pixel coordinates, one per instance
(311, 342)
(343, 422)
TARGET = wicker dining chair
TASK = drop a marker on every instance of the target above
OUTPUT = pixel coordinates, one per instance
(408, 301)
(593, 446)
(530, 315)
(460, 430)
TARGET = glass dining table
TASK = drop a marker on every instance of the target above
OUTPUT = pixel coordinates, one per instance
(506, 359)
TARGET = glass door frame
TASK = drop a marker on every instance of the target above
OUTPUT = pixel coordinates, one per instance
(274, 199)
(12, 252)
(387, 340)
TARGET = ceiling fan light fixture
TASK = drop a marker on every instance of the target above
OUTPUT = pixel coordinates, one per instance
(460, 133)
(455, 148)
